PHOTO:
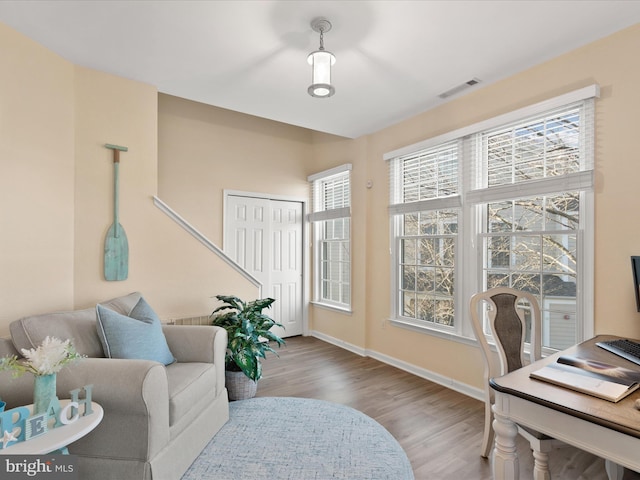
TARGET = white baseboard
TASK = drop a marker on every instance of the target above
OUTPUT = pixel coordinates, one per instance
(463, 388)
(339, 343)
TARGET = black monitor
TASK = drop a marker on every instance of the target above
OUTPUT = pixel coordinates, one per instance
(635, 267)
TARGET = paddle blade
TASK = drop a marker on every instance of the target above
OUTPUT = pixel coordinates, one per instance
(116, 254)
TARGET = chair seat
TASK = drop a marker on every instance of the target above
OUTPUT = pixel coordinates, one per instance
(189, 384)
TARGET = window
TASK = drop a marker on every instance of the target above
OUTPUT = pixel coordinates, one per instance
(508, 202)
(425, 184)
(332, 234)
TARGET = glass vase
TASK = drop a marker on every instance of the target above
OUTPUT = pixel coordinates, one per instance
(44, 391)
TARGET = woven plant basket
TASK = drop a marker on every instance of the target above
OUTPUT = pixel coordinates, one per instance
(239, 386)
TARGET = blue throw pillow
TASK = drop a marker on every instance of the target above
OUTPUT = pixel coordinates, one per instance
(137, 336)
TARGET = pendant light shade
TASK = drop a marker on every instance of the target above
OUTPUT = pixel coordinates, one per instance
(321, 62)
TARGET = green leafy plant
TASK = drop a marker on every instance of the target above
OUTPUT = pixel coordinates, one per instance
(248, 331)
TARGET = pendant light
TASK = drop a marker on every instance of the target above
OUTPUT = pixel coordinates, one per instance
(321, 62)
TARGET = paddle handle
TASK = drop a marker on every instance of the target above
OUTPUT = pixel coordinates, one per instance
(116, 184)
(116, 196)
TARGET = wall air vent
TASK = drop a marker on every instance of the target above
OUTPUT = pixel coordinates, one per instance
(459, 88)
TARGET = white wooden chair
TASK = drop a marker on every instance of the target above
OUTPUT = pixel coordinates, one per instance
(506, 321)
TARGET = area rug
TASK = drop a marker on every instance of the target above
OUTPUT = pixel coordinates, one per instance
(283, 438)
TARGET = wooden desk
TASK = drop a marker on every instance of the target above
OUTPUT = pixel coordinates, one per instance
(608, 430)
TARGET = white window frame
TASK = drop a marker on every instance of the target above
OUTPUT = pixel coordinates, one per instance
(317, 217)
(468, 250)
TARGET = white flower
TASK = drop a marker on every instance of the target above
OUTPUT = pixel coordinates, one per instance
(48, 358)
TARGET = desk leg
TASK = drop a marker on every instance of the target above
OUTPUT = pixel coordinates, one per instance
(505, 455)
(541, 466)
(614, 471)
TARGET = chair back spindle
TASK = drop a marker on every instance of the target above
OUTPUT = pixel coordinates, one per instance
(508, 328)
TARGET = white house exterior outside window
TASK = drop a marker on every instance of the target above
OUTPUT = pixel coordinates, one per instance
(507, 202)
(331, 219)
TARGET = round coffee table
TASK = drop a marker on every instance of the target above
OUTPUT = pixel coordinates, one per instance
(58, 438)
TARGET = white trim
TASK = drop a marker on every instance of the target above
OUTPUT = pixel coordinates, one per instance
(470, 254)
(330, 172)
(429, 375)
(448, 333)
(322, 215)
(339, 343)
(394, 252)
(267, 196)
(206, 242)
(581, 94)
(329, 306)
(586, 328)
(442, 203)
(306, 266)
(565, 183)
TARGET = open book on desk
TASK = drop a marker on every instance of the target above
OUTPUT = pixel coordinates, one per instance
(609, 382)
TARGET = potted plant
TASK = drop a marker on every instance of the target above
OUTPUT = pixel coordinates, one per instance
(44, 363)
(249, 340)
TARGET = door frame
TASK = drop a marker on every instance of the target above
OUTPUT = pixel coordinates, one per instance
(306, 280)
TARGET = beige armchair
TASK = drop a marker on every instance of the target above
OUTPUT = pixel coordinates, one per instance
(157, 418)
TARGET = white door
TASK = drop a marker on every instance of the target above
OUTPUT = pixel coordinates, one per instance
(265, 237)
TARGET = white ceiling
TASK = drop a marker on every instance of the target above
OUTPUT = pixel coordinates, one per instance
(393, 57)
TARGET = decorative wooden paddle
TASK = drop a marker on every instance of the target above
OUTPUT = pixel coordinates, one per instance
(116, 247)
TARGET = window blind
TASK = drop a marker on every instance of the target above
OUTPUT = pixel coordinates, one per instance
(331, 194)
(426, 179)
(543, 154)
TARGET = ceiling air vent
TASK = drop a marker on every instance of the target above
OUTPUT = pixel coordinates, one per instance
(459, 88)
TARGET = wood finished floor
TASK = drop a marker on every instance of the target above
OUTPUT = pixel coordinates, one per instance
(439, 429)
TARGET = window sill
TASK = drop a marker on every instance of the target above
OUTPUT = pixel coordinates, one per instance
(335, 308)
(425, 330)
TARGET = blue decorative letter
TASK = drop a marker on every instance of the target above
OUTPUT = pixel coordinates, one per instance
(86, 401)
(36, 425)
(8, 426)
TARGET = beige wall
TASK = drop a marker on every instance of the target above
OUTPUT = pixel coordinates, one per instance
(36, 178)
(204, 150)
(57, 198)
(112, 110)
